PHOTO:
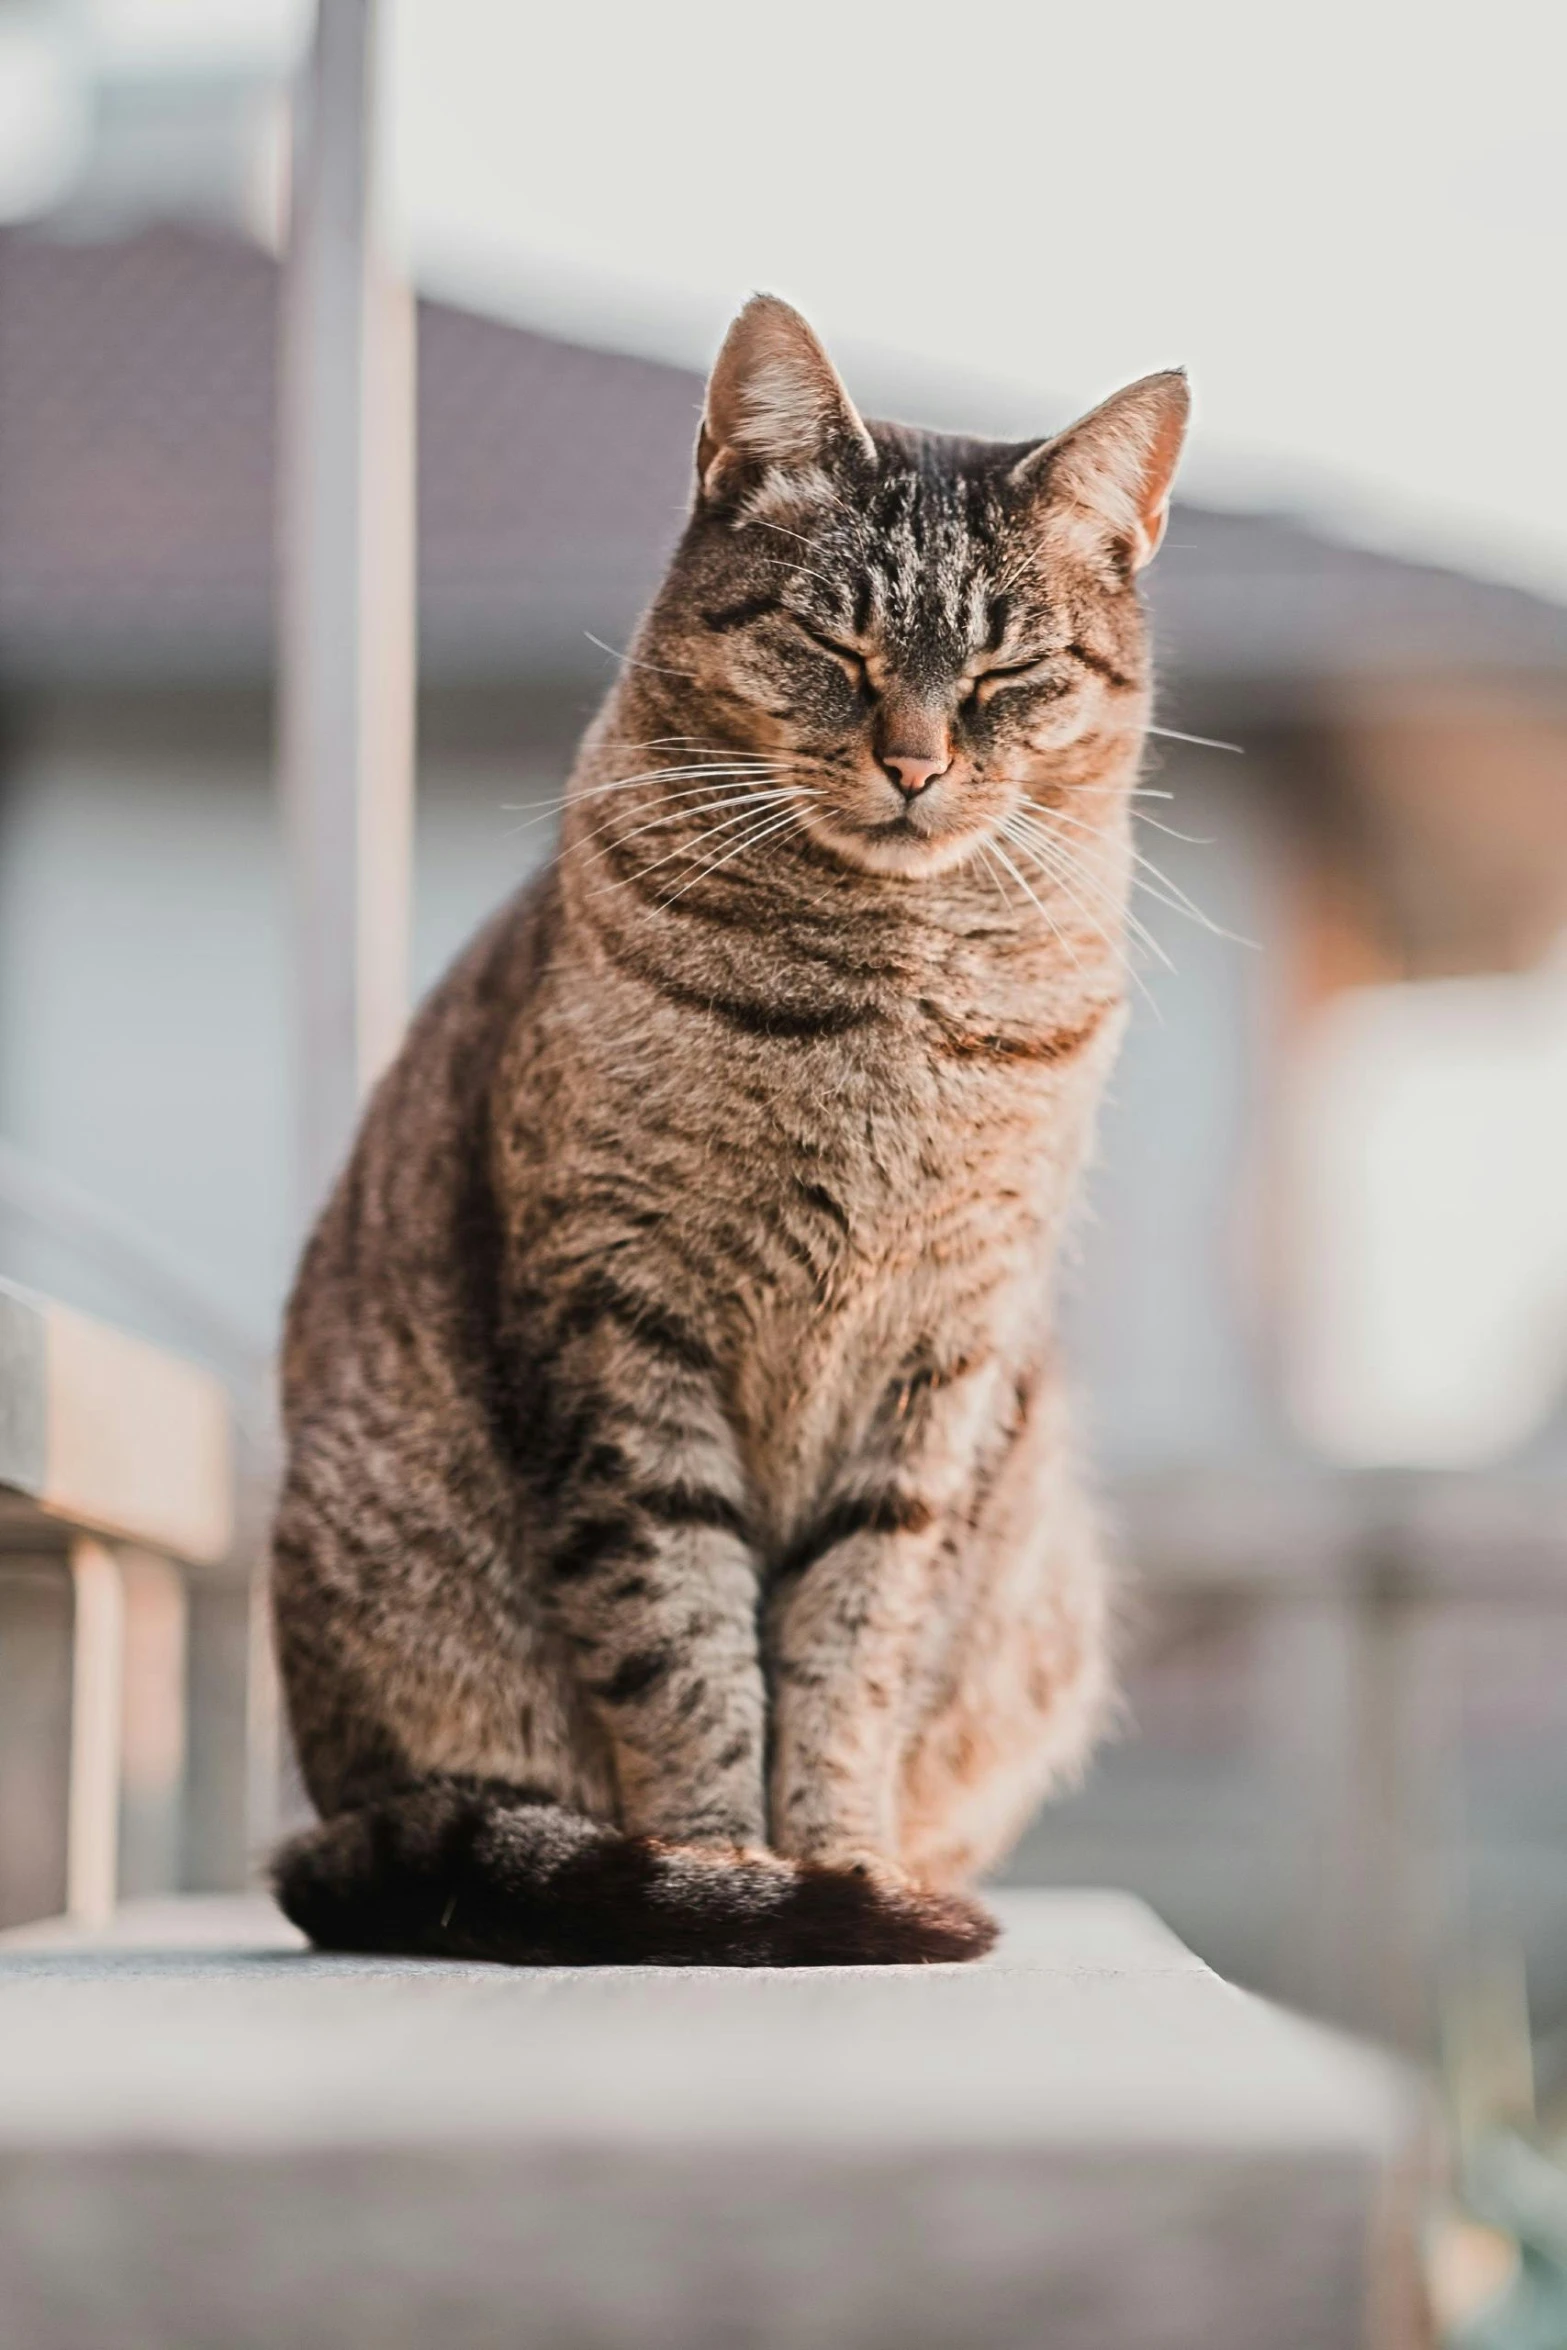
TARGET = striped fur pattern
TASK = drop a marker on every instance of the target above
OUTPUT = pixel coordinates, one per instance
(681, 1556)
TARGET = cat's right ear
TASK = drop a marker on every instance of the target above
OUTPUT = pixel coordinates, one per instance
(774, 405)
(1107, 478)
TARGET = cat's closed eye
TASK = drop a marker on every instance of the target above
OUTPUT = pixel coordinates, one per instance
(849, 661)
(1041, 672)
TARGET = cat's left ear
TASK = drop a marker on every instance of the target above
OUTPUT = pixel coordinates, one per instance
(1111, 472)
(774, 402)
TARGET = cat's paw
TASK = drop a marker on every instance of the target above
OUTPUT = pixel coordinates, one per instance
(889, 1877)
(760, 1908)
(865, 1911)
(723, 1853)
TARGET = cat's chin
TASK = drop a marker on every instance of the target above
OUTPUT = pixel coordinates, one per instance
(893, 852)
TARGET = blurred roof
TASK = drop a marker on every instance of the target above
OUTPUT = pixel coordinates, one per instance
(136, 460)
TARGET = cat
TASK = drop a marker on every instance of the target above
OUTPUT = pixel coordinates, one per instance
(680, 1556)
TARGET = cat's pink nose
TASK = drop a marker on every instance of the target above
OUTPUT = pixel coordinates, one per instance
(911, 772)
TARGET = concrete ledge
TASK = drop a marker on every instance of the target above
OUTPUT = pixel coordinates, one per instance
(1087, 2143)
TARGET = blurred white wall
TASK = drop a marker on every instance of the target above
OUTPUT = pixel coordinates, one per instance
(143, 971)
(1427, 1309)
(1161, 1271)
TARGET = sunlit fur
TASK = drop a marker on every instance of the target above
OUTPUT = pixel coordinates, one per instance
(681, 1553)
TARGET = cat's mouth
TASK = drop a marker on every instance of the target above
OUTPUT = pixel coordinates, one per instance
(915, 842)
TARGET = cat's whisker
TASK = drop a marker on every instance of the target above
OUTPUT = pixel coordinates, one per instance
(659, 774)
(828, 496)
(733, 801)
(784, 563)
(1177, 901)
(801, 820)
(994, 875)
(692, 768)
(711, 864)
(1054, 856)
(760, 522)
(1056, 931)
(751, 840)
(534, 816)
(1096, 787)
(635, 661)
(801, 825)
(558, 808)
(1204, 742)
(1192, 840)
(1063, 877)
(1099, 785)
(686, 848)
(709, 774)
(694, 747)
(1123, 958)
(753, 804)
(1137, 933)
(719, 780)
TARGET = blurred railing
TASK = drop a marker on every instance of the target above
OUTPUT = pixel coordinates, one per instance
(138, 1741)
(1377, 1603)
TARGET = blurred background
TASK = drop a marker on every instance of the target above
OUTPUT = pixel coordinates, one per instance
(1319, 1293)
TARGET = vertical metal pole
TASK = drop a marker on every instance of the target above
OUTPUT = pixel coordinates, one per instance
(347, 625)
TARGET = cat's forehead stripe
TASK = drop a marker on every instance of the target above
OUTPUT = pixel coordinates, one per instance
(929, 563)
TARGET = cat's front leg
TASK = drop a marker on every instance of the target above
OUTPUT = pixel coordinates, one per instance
(844, 1636)
(849, 1611)
(647, 1570)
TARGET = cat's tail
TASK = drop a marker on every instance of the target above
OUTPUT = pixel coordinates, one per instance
(474, 1868)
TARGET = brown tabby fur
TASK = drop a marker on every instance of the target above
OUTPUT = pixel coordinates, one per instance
(681, 1556)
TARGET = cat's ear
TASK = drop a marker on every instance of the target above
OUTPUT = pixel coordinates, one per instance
(774, 401)
(1111, 472)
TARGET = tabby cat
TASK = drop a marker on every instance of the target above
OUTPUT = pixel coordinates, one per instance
(680, 1557)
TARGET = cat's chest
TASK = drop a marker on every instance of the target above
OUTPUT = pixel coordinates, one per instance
(951, 1114)
(913, 1225)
